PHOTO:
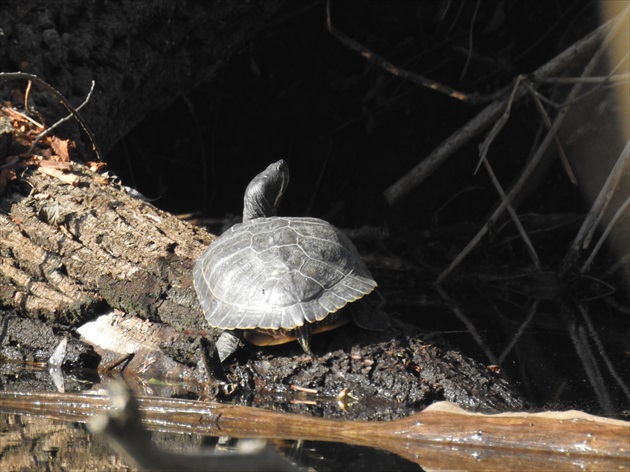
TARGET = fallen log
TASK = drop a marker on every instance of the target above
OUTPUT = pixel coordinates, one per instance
(442, 437)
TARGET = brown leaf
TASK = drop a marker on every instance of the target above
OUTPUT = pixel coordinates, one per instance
(96, 166)
(100, 180)
(56, 164)
(61, 147)
(66, 177)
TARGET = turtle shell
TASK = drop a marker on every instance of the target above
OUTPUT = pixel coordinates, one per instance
(279, 273)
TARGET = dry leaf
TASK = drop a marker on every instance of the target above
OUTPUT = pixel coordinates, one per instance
(61, 147)
(56, 164)
(66, 177)
(96, 166)
(100, 180)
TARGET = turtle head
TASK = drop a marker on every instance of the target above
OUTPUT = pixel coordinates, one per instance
(264, 192)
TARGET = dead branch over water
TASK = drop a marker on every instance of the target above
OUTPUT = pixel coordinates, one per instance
(441, 437)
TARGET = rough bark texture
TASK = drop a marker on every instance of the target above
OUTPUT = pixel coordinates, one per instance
(142, 55)
(108, 249)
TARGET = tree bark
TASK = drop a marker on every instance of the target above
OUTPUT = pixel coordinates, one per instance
(104, 248)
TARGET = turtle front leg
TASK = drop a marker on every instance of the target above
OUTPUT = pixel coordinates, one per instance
(228, 342)
(303, 335)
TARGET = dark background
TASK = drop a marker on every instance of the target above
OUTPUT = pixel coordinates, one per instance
(349, 129)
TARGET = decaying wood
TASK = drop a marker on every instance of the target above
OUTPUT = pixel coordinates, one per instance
(128, 343)
(440, 437)
(108, 249)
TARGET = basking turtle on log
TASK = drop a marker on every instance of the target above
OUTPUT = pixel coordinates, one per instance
(273, 279)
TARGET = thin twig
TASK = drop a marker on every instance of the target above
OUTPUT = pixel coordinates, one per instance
(394, 70)
(484, 148)
(27, 94)
(498, 126)
(469, 325)
(584, 235)
(601, 84)
(586, 80)
(545, 117)
(620, 211)
(517, 222)
(27, 118)
(470, 40)
(436, 213)
(583, 349)
(530, 316)
(61, 98)
(65, 118)
(602, 351)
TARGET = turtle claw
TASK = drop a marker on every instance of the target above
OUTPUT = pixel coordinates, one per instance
(228, 342)
(303, 335)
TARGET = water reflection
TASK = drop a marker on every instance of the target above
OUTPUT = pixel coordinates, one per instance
(563, 353)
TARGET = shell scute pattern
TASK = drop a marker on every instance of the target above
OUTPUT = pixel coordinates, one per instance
(276, 272)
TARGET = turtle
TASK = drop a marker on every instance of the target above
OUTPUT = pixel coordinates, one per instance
(272, 279)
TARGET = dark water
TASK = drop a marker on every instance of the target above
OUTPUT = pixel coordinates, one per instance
(560, 354)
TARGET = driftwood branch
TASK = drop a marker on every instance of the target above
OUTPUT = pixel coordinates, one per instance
(123, 425)
(441, 437)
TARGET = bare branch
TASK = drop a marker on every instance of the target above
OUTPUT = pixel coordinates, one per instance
(594, 216)
(563, 61)
(531, 165)
(60, 97)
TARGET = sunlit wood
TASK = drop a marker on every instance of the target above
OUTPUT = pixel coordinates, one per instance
(442, 436)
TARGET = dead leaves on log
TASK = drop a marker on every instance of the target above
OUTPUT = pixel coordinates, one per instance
(50, 156)
(27, 140)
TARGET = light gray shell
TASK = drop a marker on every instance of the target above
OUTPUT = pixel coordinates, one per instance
(278, 273)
